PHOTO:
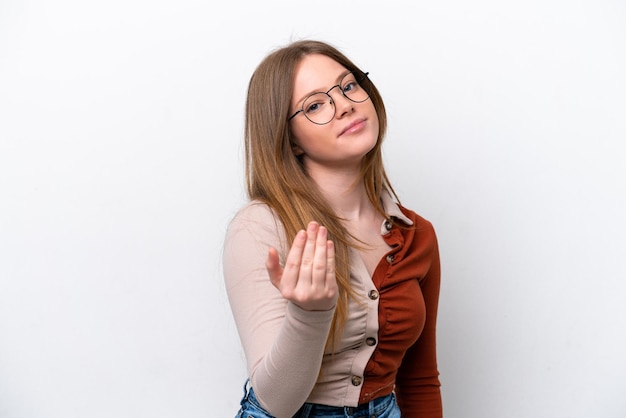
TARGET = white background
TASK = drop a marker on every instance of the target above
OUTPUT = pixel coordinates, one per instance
(121, 164)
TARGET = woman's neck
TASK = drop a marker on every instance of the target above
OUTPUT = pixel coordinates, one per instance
(345, 192)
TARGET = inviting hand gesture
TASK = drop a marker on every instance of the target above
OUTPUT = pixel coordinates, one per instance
(308, 278)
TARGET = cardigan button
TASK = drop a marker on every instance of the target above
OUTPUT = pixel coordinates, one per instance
(388, 225)
(372, 294)
(371, 341)
(357, 380)
(390, 258)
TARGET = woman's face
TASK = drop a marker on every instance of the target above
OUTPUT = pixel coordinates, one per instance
(348, 137)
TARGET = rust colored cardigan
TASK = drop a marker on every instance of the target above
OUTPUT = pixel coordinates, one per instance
(408, 281)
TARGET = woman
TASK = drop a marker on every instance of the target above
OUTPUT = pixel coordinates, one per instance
(333, 284)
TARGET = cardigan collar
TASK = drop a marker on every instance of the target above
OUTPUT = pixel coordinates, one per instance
(392, 209)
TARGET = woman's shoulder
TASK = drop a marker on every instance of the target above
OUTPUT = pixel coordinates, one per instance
(254, 211)
(419, 222)
(256, 217)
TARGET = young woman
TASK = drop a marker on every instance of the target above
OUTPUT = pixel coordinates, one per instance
(333, 284)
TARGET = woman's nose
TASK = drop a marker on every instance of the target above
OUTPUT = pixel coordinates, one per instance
(343, 105)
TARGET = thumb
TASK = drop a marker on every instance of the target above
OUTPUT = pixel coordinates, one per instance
(272, 264)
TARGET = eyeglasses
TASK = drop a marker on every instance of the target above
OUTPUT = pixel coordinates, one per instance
(319, 107)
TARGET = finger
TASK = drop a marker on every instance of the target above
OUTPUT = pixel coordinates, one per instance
(291, 271)
(331, 278)
(274, 269)
(318, 273)
(308, 254)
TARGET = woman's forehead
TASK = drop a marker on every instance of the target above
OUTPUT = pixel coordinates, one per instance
(317, 68)
(316, 72)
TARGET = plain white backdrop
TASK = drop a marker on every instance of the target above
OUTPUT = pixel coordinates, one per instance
(121, 164)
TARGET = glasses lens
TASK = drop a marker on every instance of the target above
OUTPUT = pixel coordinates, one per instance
(319, 108)
(354, 90)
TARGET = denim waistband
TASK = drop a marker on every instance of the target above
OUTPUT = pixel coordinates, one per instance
(373, 408)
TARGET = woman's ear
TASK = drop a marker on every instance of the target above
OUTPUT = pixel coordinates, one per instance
(297, 151)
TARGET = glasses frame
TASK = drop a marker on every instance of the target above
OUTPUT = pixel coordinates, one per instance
(359, 81)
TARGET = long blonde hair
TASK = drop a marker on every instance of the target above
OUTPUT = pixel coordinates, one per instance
(277, 177)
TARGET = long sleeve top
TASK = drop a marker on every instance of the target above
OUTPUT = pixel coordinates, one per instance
(387, 343)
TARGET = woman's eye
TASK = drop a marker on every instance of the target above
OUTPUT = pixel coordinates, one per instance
(349, 86)
(313, 107)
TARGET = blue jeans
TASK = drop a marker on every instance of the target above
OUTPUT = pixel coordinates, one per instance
(383, 407)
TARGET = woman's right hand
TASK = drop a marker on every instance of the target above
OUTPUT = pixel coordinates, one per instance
(308, 277)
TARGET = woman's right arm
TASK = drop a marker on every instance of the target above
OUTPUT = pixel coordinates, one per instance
(283, 315)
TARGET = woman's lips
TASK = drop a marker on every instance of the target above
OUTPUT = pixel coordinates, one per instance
(353, 127)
